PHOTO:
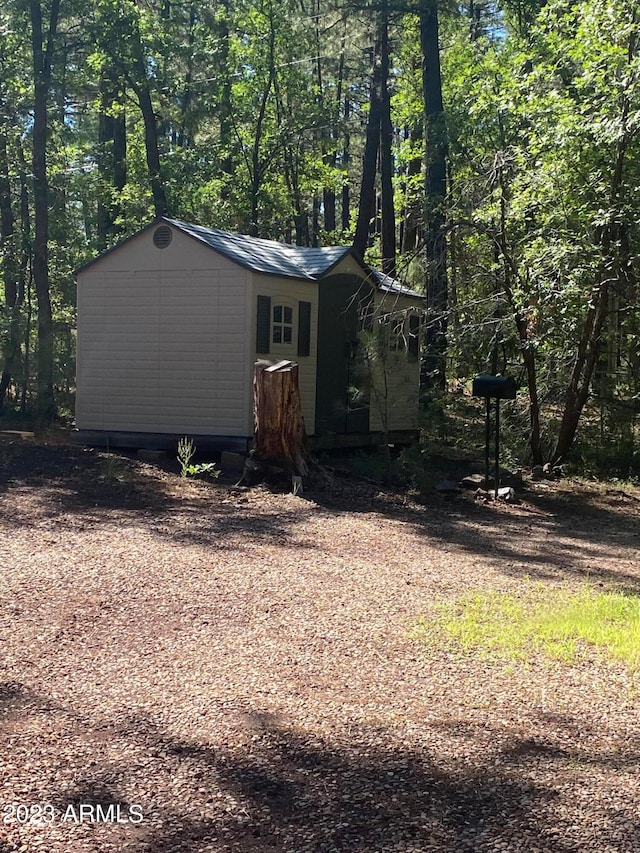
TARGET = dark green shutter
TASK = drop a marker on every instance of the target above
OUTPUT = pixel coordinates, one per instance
(263, 328)
(414, 337)
(304, 328)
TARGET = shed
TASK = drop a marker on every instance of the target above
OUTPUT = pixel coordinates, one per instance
(172, 320)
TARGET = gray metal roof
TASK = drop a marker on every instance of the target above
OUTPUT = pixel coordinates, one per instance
(267, 256)
(271, 258)
(392, 285)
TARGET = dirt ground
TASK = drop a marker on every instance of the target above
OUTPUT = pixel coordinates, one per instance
(188, 666)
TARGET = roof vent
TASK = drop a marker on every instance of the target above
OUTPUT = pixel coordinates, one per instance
(162, 237)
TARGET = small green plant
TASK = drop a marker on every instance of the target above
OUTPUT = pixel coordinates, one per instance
(186, 452)
(540, 620)
(113, 470)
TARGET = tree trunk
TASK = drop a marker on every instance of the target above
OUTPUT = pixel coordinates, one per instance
(105, 138)
(535, 435)
(280, 436)
(138, 79)
(329, 208)
(578, 391)
(434, 363)
(256, 165)
(366, 208)
(112, 152)
(522, 326)
(346, 157)
(596, 317)
(225, 106)
(328, 159)
(25, 274)
(475, 21)
(388, 231)
(411, 211)
(151, 146)
(184, 135)
(119, 152)
(42, 58)
(291, 164)
(315, 221)
(11, 343)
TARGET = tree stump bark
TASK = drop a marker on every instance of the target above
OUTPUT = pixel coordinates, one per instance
(280, 435)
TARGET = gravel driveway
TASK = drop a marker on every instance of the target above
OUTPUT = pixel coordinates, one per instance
(190, 667)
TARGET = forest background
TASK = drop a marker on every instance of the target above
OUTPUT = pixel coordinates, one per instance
(486, 153)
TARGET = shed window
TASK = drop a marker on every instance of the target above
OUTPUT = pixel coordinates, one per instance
(282, 325)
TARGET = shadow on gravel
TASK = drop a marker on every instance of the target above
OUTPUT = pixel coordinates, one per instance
(554, 534)
(77, 479)
(10, 691)
(15, 701)
(280, 789)
(89, 795)
(301, 796)
(94, 488)
(547, 536)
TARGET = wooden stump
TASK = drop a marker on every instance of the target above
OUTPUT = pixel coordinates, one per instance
(280, 435)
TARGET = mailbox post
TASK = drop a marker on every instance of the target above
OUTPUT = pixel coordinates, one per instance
(496, 388)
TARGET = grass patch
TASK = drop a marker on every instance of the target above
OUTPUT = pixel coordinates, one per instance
(562, 625)
(114, 470)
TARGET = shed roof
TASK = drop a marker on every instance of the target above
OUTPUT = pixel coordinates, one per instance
(267, 256)
(392, 285)
(272, 258)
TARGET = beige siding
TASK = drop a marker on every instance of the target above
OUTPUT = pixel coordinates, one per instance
(395, 380)
(290, 292)
(162, 341)
(167, 342)
(349, 266)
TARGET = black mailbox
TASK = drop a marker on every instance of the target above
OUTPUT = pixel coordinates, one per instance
(497, 387)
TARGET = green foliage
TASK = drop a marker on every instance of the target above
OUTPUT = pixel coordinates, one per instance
(114, 470)
(186, 452)
(561, 624)
(260, 111)
(201, 468)
(608, 444)
(544, 146)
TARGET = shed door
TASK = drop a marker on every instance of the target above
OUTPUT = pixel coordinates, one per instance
(342, 390)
